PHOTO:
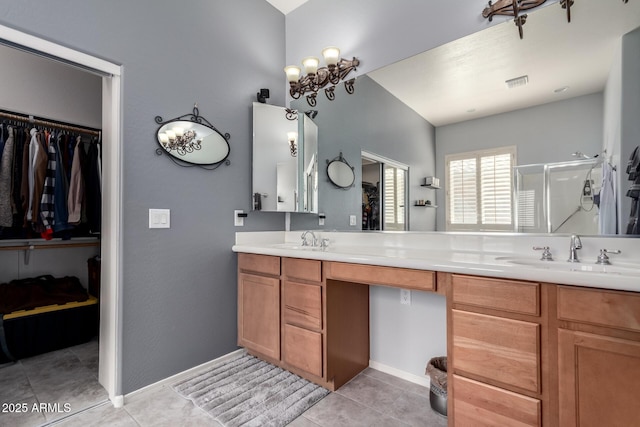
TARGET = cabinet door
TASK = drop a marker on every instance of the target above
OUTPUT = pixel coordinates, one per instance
(259, 314)
(599, 380)
(303, 349)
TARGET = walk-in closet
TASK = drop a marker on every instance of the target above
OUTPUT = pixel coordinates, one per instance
(50, 228)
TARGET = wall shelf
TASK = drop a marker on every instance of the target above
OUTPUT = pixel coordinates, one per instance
(425, 206)
(429, 186)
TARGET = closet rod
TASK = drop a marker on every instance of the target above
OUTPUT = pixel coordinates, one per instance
(48, 123)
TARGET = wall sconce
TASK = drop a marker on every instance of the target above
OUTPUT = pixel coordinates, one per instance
(292, 137)
(317, 78)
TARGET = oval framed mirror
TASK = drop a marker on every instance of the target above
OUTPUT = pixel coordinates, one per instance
(340, 172)
(190, 140)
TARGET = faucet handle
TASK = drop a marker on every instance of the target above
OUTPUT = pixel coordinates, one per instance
(603, 258)
(324, 243)
(546, 254)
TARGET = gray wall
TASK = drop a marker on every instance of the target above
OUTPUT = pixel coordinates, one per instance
(372, 120)
(630, 124)
(179, 285)
(546, 133)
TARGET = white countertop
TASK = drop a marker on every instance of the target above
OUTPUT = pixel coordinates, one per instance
(506, 256)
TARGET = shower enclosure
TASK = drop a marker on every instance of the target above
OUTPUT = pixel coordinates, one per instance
(557, 197)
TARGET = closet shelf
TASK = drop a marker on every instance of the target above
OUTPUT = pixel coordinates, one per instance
(29, 245)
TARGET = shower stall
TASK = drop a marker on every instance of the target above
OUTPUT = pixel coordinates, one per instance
(557, 197)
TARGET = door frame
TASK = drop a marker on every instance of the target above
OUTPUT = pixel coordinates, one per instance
(387, 161)
(110, 335)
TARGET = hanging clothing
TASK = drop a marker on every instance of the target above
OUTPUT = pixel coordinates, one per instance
(61, 192)
(608, 214)
(33, 154)
(39, 176)
(16, 180)
(47, 208)
(6, 175)
(75, 199)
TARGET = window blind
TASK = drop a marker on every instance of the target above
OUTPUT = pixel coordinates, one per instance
(479, 190)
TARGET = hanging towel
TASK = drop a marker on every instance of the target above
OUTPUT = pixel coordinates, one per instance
(608, 216)
(6, 174)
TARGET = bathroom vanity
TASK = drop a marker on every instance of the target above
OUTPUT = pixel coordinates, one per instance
(522, 349)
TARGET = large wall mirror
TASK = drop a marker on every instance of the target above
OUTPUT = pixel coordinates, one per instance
(285, 160)
(581, 96)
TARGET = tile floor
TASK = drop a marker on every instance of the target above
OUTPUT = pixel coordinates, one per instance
(373, 398)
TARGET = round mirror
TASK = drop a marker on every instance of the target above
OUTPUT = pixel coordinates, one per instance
(340, 173)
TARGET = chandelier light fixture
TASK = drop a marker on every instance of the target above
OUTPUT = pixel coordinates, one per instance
(180, 140)
(324, 77)
(514, 7)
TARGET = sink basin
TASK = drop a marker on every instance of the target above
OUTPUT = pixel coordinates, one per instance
(561, 265)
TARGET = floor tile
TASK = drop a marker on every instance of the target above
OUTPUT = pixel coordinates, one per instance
(103, 415)
(371, 392)
(415, 410)
(396, 381)
(336, 410)
(301, 421)
(162, 406)
(25, 416)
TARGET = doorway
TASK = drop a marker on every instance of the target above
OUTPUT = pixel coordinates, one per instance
(110, 246)
(384, 193)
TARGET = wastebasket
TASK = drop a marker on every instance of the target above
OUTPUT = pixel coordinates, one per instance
(437, 371)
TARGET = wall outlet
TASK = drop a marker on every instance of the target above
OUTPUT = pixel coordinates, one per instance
(238, 220)
(352, 220)
(405, 296)
(159, 218)
(321, 219)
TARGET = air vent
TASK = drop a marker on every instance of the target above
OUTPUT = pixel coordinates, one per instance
(517, 82)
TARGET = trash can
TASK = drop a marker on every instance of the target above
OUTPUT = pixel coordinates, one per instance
(437, 371)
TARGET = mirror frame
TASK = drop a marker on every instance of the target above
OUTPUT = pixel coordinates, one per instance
(337, 161)
(188, 121)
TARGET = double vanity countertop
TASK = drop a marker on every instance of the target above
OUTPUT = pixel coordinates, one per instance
(482, 254)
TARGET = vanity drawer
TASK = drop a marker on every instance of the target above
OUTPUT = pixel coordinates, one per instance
(303, 349)
(303, 305)
(478, 404)
(422, 280)
(255, 263)
(614, 309)
(498, 294)
(496, 348)
(302, 269)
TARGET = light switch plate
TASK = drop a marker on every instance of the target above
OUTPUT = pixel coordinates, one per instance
(159, 218)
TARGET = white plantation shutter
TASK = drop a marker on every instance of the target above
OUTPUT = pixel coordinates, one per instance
(495, 189)
(479, 190)
(394, 198)
(463, 204)
(527, 209)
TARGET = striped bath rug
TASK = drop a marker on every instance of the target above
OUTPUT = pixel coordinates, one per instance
(250, 392)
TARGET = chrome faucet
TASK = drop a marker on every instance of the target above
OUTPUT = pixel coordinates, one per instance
(314, 242)
(576, 244)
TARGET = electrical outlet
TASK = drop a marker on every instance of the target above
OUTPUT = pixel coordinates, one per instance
(405, 296)
(238, 220)
(352, 220)
(320, 221)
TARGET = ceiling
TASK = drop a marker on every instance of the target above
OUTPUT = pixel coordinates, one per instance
(465, 79)
(286, 6)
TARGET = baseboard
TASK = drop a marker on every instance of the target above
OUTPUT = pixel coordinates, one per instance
(117, 401)
(184, 374)
(423, 381)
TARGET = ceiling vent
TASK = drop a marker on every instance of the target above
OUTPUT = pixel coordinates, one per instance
(517, 82)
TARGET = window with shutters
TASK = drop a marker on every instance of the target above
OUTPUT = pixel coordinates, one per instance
(479, 196)
(394, 197)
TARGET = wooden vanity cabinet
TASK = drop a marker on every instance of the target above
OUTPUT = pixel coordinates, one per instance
(302, 315)
(598, 357)
(259, 304)
(497, 356)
